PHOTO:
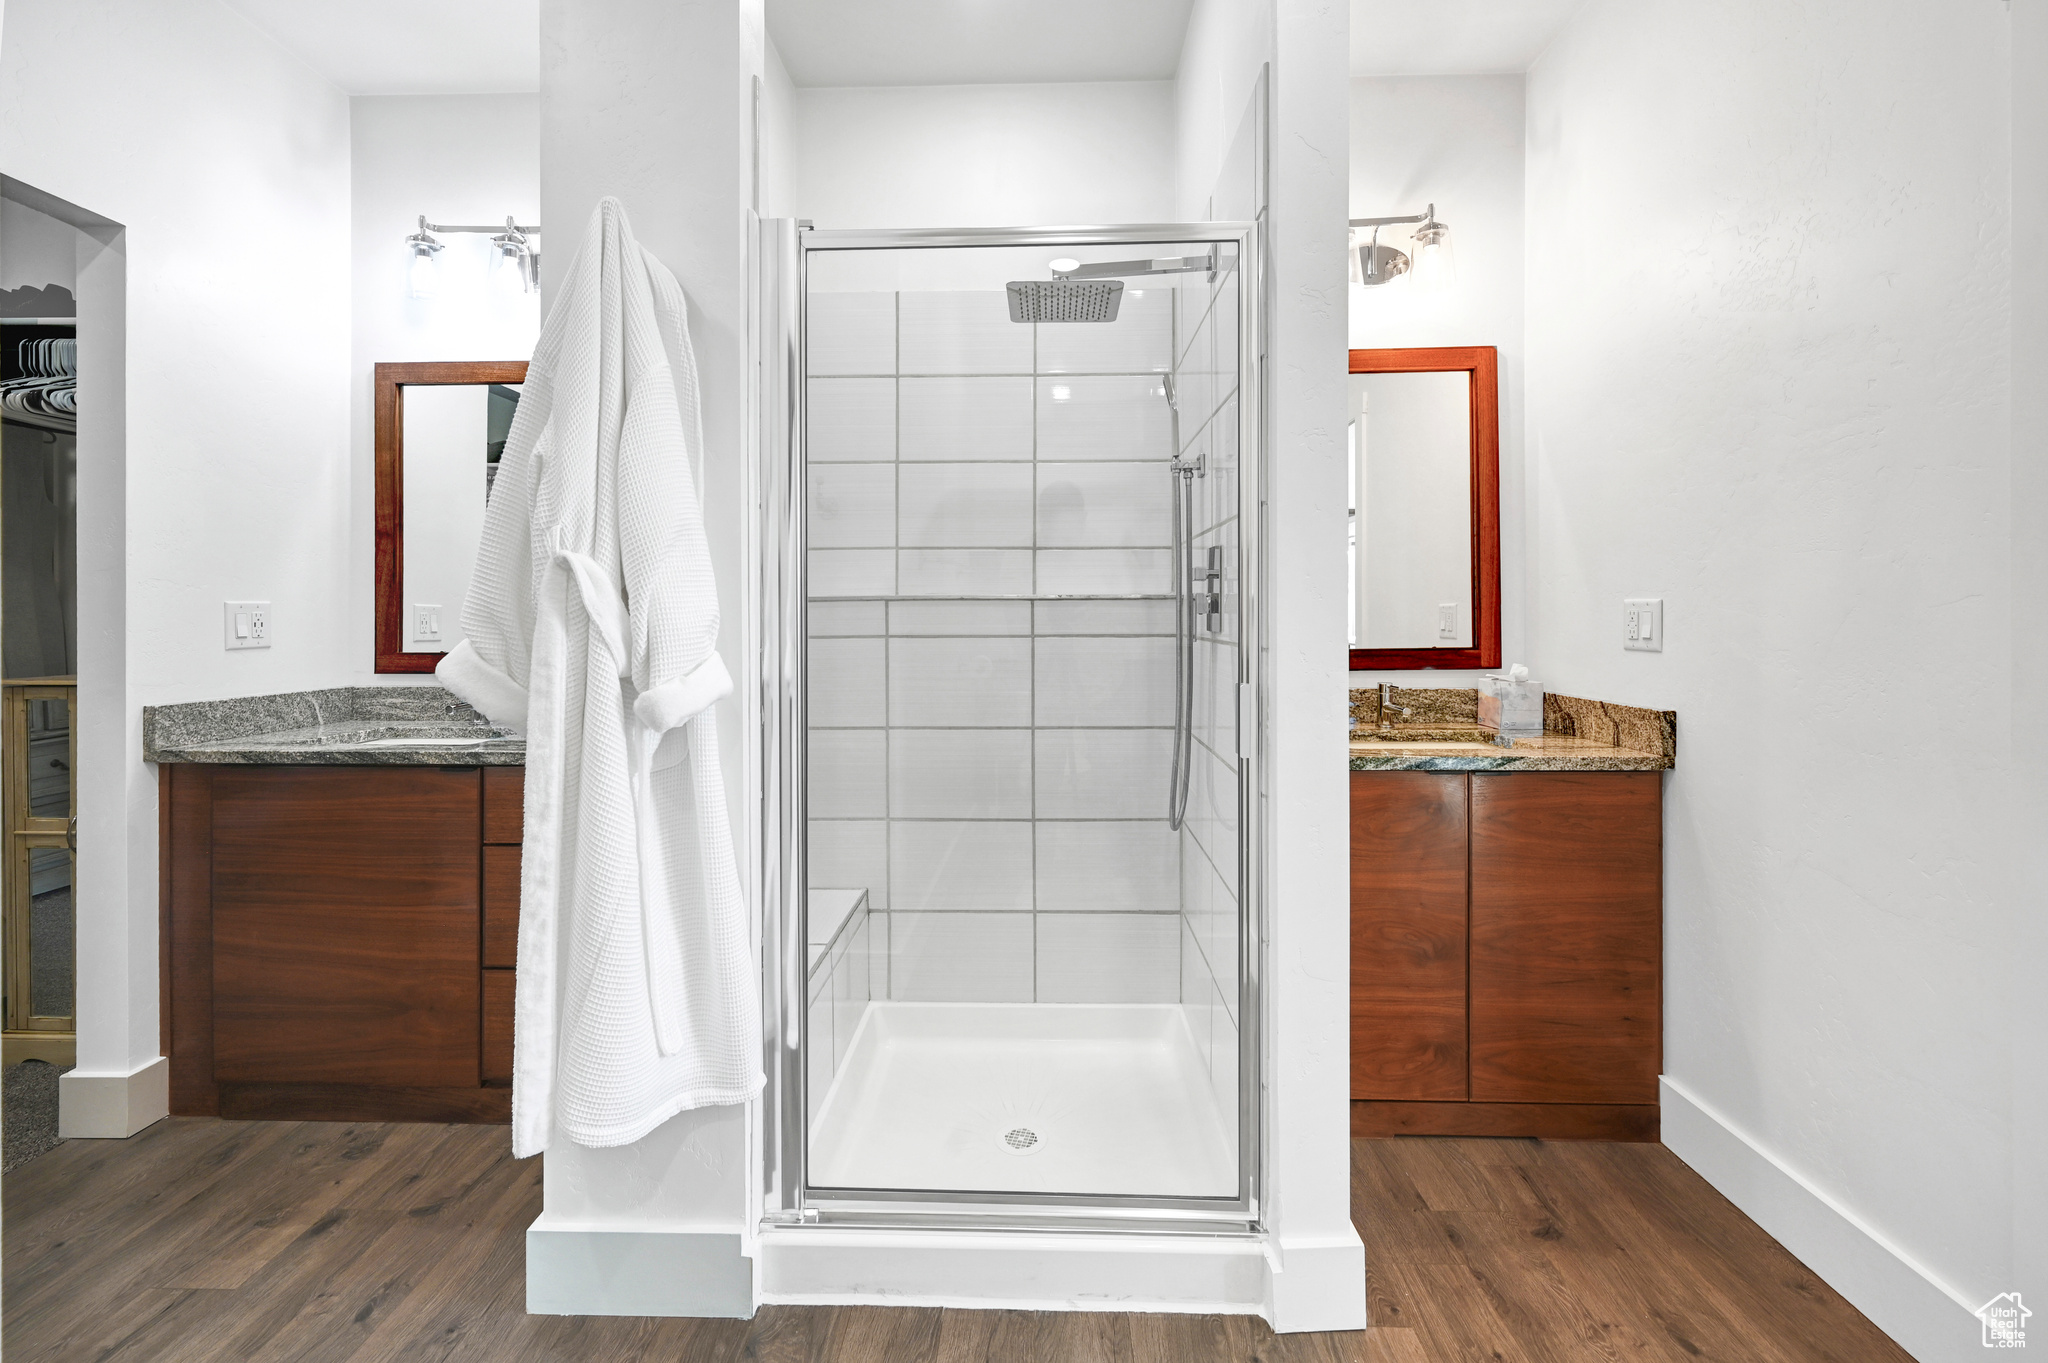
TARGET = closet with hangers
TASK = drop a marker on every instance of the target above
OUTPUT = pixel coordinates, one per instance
(38, 703)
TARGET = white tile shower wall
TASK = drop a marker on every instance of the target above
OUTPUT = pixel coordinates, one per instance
(1205, 346)
(962, 839)
(1000, 789)
(1108, 958)
(1102, 417)
(852, 419)
(962, 333)
(951, 419)
(960, 682)
(851, 333)
(961, 865)
(842, 982)
(960, 957)
(958, 506)
(1123, 504)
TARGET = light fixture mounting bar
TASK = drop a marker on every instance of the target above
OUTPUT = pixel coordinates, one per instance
(492, 230)
(1425, 216)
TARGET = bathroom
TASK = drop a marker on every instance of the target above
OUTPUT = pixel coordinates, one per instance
(1752, 295)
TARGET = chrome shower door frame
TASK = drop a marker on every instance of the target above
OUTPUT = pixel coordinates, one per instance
(783, 248)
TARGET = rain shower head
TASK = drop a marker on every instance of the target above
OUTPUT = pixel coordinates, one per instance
(1091, 293)
(1065, 300)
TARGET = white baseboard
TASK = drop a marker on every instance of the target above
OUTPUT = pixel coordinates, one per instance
(1317, 1285)
(992, 1270)
(1927, 1317)
(110, 1105)
(582, 1271)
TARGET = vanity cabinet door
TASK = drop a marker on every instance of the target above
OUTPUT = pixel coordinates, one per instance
(346, 926)
(1408, 927)
(1567, 919)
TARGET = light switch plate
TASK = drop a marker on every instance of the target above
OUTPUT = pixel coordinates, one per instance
(426, 623)
(1447, 620)
(246, 624)
(1642, 624)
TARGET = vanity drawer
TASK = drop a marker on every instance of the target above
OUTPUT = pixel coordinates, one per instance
(504, 804)
(501, 905)
(497, 1045)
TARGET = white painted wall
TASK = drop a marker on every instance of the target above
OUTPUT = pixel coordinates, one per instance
(2028, 1029)
(778, 136)
(652, 102)
(984, 155)
(1226, 43)
(1455, 141)
(457, 159)
(1769, 373)
(232, 479)
(1319, 1276)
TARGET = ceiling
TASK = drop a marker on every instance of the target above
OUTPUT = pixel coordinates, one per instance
(391, 47)
(410, 47)
(1452, 37)
(976, 42)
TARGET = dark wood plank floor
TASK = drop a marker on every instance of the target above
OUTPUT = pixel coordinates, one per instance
(203, 1240)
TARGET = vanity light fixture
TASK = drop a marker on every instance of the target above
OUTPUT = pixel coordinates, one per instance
(514, 266)
(515, 262)
(1373, 264)
(422, 275)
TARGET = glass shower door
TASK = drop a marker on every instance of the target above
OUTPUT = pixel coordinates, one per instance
(1025, 942)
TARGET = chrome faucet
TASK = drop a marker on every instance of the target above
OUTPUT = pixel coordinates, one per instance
(1387, 710)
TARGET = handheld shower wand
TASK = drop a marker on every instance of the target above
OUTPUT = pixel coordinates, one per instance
(1182, 472)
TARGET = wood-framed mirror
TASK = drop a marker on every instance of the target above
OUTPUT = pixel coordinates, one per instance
(1425, 508)
(440, 429)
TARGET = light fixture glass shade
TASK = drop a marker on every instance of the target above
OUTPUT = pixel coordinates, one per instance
(508, 266)
(422, 272)
(1434, 267)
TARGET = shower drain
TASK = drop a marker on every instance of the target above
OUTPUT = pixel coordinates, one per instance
(1021, 1140)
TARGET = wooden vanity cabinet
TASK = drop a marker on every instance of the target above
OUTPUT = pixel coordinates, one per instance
(331, 939)
(1506, 953)
(504, 816)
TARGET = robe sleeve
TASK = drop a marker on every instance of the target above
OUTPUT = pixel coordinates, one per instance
(665, 560)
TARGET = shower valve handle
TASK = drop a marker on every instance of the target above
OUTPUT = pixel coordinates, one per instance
(1212, 589)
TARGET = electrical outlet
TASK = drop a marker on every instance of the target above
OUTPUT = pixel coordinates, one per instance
(246, 624)
(1447, 620)
(426, 623)
(1642, 624)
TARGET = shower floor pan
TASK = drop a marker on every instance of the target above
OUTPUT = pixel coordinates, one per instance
(1024, 1098)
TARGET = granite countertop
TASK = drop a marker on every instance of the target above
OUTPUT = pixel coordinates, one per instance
(378, 726)
(1437, 729)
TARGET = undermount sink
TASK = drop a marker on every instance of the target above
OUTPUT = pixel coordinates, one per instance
(434, 742)
(427, 735)
(1425, 733)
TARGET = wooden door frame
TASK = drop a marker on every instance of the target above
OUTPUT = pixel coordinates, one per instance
(389, 407)
(25, 833)
(1482, 362)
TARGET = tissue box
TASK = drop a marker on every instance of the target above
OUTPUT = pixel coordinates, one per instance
(1511, 706)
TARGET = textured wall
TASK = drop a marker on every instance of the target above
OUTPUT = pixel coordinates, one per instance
(1768, 379)
(218, 468)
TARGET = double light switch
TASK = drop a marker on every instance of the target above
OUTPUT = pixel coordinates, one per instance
(1642, 624)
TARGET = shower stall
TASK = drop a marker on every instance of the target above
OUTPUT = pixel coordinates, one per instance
(1011, 609)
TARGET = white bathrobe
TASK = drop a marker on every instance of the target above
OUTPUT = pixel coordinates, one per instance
(591, 626)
